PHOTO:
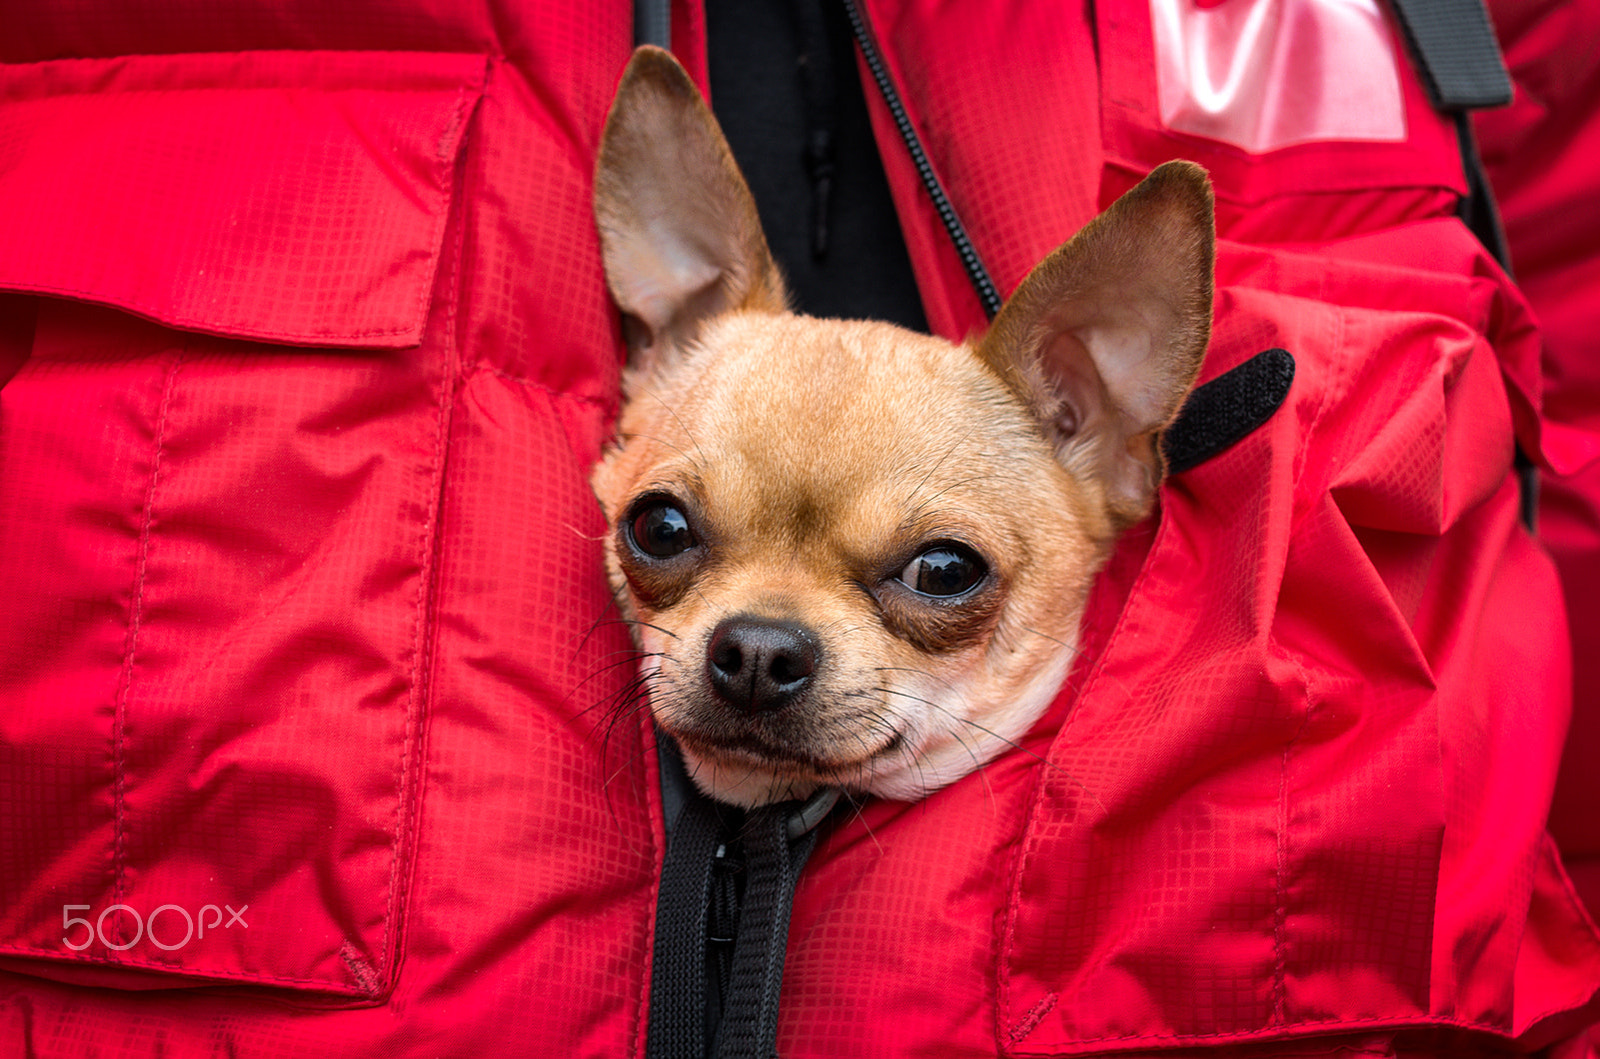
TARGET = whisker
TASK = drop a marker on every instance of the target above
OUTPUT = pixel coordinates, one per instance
(693, 462)
(1046, 636)
(628, 657)
(925, 501)
(936, 465)
(697, 464)
(626, 767)
(645, 624)
(583, 641)
(1010, 743)
(859, 806)
(1077, 686)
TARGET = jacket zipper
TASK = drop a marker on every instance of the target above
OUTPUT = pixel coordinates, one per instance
(987, 293)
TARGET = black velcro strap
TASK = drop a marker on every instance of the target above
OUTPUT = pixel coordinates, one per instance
(1454, 45)
(1227, 409)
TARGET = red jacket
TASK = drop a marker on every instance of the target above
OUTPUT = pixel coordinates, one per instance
(306, 735)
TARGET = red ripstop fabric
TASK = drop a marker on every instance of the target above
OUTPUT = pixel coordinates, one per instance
(310, 729)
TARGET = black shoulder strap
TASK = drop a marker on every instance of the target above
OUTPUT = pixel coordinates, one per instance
(1454, 47)
(1456, 52)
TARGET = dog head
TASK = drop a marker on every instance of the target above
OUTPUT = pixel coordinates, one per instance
(854, 555)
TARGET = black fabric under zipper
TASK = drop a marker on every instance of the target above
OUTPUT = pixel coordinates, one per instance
(982, 284)
(722, 917)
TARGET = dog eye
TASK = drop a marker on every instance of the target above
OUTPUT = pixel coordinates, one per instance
(944, 570)
(661, 531)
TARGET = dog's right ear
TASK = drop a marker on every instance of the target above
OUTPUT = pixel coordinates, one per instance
(678, 226)
(1104, 337)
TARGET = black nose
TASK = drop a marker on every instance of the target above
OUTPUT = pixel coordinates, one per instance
(757, 665)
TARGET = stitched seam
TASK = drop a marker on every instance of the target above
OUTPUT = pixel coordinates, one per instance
(1280, 911)
(545, 388)
(1280, 916)
(403, 808)
(444, 158)
(366, 978)
(408, 803)
(1300, 1028)
(658, 854)
(1031, 1020)
(210, 326)
(185, 970)
(130, 650)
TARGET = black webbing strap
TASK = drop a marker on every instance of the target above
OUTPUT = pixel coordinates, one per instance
(1478, 210)
(1479, 213)
(1456, 52)
(1454, 47)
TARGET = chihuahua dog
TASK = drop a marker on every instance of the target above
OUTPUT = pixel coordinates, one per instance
(854, 555)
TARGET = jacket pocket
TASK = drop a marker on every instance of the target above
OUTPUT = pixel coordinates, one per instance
(1279, 809)
(219, 519)
(1308, 116)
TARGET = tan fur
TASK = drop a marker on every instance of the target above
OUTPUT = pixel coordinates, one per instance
(816, 457)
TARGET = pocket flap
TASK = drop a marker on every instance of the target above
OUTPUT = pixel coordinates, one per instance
(295, 197)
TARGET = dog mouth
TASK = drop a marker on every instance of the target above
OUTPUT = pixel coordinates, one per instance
(767, 698)
(811, 757)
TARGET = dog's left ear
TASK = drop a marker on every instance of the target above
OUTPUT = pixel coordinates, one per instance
(1104, 338)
